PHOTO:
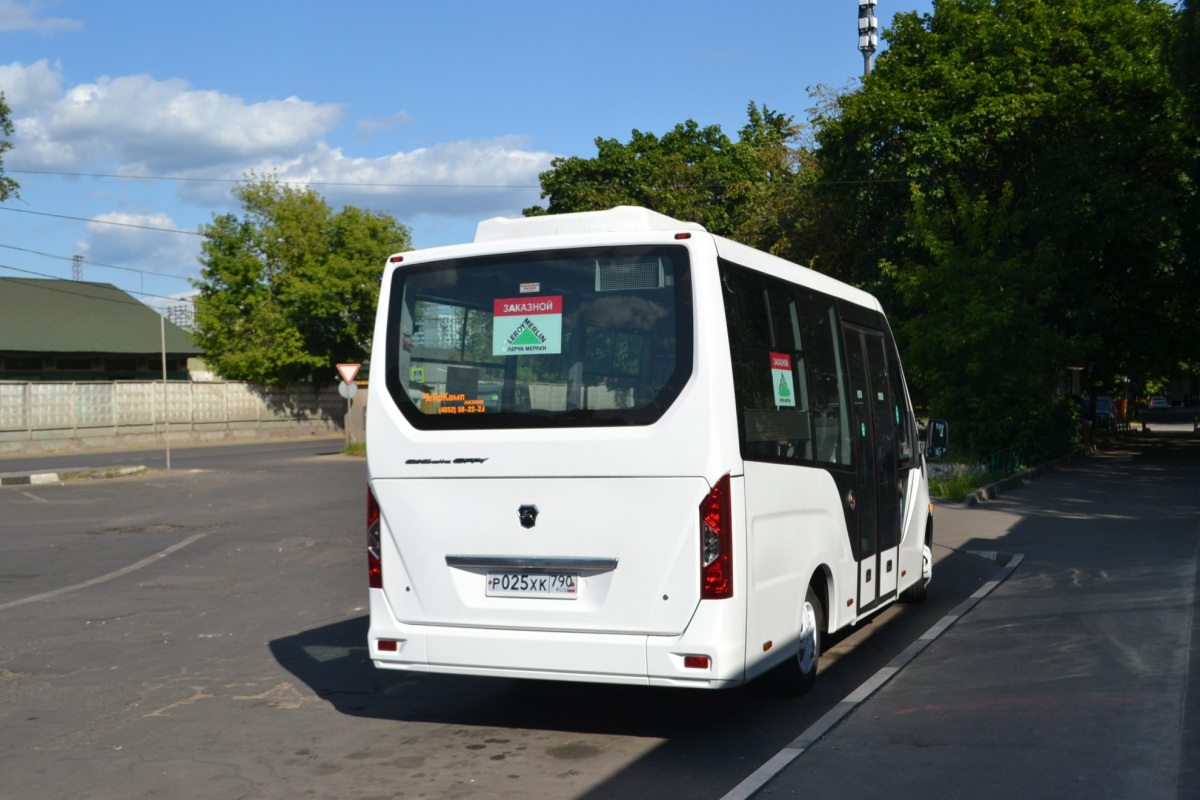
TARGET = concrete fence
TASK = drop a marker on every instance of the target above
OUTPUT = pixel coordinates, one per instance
(37, 417)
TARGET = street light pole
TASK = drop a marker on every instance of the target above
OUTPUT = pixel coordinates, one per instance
(868, 33)
(162, 334)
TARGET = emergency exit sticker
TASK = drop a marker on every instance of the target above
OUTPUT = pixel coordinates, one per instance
(781, 379)
(527, 326)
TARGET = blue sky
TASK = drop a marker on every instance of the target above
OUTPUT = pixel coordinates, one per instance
(416, 109)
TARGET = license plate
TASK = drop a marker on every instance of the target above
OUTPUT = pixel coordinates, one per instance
(561, 586)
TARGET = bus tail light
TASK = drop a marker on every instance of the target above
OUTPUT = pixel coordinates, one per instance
(716, 544)
(374, 562)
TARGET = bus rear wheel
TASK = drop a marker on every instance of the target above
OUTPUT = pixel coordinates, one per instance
(919, 591)
(795, 676)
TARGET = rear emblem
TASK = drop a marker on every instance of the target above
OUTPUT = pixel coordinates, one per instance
(528, 515)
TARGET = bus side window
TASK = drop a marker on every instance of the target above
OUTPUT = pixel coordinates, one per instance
(901, 411)
(785, 321)
(826, 378)
(770, 382)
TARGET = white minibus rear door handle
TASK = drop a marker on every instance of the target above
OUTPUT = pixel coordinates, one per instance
(532, 562)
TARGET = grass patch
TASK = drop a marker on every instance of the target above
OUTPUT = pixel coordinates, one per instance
(957, 485)
(355, 449)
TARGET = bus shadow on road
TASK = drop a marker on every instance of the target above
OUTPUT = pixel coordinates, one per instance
(334, 663)
(709, 741)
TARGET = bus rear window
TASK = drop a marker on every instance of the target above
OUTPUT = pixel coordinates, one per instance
(599, 336)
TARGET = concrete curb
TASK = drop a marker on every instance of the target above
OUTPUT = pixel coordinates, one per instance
(781, 760)
(994, 490)
(34, 478)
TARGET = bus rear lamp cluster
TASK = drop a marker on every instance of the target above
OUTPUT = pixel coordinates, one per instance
(716, 544)
(374, 562)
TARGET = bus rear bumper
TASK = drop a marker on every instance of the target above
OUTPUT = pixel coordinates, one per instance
(630, 659)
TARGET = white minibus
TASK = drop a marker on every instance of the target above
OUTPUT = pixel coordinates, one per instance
(612, 447)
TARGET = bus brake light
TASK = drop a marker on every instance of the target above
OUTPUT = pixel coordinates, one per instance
(716, 544)
(374, 561)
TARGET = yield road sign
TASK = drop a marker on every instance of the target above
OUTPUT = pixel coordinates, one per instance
(348, 371)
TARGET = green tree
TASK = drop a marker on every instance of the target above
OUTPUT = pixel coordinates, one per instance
(734, 189)
(1037, 139)
(977, 287)
(289, 290)
(8, 187)
(1187, 58)
(1187, 78)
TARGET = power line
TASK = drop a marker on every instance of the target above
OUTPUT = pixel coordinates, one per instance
(361, 184)
(167, 312)
(810, 184)
(367, 185)
(126, 302)
(93, 263)
(83, 294)
(99, 221)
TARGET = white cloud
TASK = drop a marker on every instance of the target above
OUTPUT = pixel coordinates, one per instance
(16, 16)
(147, 126)
(137, 125)
(139, 247)
(472, 178)
(30, 89)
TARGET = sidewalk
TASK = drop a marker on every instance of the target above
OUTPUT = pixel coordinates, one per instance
(1072, 678)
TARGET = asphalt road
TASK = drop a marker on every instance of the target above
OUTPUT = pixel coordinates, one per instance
(201, 634)
(1078, 677)
(188, 457)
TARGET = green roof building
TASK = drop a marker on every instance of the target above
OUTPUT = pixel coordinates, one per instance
(59, 330)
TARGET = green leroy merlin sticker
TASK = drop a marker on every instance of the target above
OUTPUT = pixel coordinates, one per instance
(527, 326)
(781, 379)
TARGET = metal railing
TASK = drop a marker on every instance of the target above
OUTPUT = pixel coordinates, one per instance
(1009, 460)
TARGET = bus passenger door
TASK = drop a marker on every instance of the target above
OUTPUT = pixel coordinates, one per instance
(888, 487)
(874, 504)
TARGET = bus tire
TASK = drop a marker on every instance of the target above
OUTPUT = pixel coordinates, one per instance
(795, 676)
(919, 591)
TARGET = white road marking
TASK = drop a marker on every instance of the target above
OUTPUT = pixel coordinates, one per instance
(777, 763)
(118, 573)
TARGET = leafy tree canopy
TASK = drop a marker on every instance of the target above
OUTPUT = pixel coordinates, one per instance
(289, 289)
(1187, 58)
(8, 187)
(1026, 158)
(1016, 180)
(696, 174)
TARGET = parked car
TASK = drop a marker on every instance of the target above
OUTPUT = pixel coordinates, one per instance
(1158, 404)
(1105, 411)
